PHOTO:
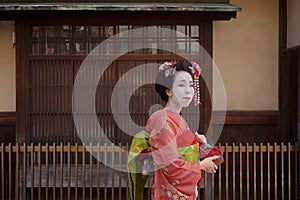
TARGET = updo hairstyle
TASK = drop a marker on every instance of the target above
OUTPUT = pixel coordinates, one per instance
(163, 82)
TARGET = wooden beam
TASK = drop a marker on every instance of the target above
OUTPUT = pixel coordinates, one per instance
(23, 79)
(283, 74)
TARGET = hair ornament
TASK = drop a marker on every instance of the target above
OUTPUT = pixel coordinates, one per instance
(168, 67)
(196, 72)
(196, 69)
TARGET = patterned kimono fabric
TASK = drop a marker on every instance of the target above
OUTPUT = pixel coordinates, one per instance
(175, 153)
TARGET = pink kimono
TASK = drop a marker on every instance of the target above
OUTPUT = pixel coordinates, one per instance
(175, 153)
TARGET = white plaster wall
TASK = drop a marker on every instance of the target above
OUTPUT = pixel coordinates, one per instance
(7, 68)
(245, 50)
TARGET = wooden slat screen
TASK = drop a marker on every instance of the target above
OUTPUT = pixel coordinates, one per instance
(51, 97)
(251, 171)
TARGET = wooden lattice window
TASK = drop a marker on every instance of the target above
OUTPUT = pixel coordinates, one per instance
(82, 39)
(55, 57)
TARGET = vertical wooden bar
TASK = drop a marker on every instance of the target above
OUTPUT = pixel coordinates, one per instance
(120, 174)
(212, 187)
(296, 171)
(83, 172)
(282, 171)
(39, 172)
(17, 173)
(9, 172)
(76, 171)
(254, 171)
(268, 168)
(24, 170)
(47, 171)
(283, 71)
(233, 172)
(61, 170)
(69, 171)
(32, 170)
(261, 172)
(105, 171)
(127, 183)
(241, 171)
(275, 171)
(2, 171)
(206, 41)
(54, 171)
(289, 169)
(23, 33)
(91, 171)
(98, 171)
(226, 172)
(113, 171)
(247, 171)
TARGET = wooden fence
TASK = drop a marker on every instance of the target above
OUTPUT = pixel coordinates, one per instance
(263, 171)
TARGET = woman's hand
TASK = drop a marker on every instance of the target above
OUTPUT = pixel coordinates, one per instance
(200, 138)
(208, 164)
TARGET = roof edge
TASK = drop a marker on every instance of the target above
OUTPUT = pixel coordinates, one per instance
(201, 7)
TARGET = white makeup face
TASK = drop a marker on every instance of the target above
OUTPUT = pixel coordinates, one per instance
(182, 90)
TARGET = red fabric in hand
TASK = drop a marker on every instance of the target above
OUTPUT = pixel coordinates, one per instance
(206, 151)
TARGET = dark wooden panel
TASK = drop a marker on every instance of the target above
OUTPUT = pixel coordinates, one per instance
(249, 133)
(119, 18)
(288, 93)
(249, 126)
(251, 117)
(8, 127)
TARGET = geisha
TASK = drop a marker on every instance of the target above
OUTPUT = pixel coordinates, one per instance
(174, 147)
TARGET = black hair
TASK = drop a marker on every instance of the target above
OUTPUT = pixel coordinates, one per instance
(163, 82)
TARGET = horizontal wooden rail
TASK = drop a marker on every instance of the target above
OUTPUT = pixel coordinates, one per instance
(61, 148)
(112, 148)
(127, 57)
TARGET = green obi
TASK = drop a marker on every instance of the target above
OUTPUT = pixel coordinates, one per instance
(190, 153)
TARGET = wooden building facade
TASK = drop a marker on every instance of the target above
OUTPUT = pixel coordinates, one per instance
(51, 41)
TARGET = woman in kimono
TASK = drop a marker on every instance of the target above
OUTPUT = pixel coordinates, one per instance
(174, 147)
